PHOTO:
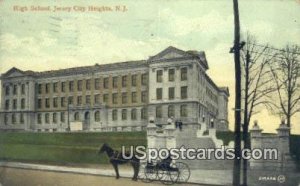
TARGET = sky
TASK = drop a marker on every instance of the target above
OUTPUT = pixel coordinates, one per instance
(50, 39)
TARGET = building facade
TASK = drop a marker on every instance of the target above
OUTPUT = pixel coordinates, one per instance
(115, 97)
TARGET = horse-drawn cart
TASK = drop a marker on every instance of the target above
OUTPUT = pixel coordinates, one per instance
(167, 173)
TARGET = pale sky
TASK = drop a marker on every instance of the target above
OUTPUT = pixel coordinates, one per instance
(37, 40)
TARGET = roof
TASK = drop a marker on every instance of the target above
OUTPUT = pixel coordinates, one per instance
(220, 89)
(77, 70)
(190, 54)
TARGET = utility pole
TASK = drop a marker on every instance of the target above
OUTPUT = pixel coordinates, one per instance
(237, 114)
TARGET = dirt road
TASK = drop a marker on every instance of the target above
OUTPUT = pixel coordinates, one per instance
(25, 177)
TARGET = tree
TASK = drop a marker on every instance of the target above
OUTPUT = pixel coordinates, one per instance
(257, 86)
(286, 76)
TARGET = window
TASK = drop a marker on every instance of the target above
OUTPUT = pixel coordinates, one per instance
(55, 102)
(54, 117)
(7, 90)
(133, 114)
(171, 111)
(88, 99)
(183, 111)
(71, 86)
(124, 81)
(105, 98)
(55, 86)
(171, 93)
(15, 104)
(22, 118)
(144, 79)
(88, 84)
(13, 118)
(115, 98)
(144, 114)
(133, 80)
(5, 119)
(79, 85)
(39, 118)
(15, 89)
(47, 118)
(97, 99)
(183, 92)
(47, 103)
(97, 116)
(47, 88)
(62, 117)
(106, 82)
(23, 89)
(63, 86)
(39, 105)
(159, 93)
(22, 103)
(124, 97)
(171, 74)
(144, 96)
(62, 101)
(183, 72)
(97, 84)
(133, 97)
(76, 116)
(70, 100)
(159, 74)
(6, 104)
(115, 115)
(158, 112)
(79, 100)
(124, 114)
(40, 88)
(115, 82)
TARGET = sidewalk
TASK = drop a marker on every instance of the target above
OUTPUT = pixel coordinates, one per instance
(209, 177)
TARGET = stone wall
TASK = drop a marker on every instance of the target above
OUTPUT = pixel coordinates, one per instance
(279, 141)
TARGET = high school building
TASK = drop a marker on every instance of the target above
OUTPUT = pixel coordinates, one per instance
(115, 97)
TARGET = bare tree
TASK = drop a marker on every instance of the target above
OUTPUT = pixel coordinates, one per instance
(257, 86)
(286, 76)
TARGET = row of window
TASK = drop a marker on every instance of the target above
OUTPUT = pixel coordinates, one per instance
(171, 75)
(133, 114)
(183, 93)
(14, 89)
(54, 118)
(14, 119)
(88, 84)
(171, 111)
(211, 95)
(14, 104)
(79, 99)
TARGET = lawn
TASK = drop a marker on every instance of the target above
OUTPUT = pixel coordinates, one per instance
(64, 148)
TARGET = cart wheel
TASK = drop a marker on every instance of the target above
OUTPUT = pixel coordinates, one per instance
(149, 172)
(184, 172)
(168, 175)
(142, 175)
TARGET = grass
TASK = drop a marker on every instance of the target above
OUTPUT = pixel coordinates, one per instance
(64, 148)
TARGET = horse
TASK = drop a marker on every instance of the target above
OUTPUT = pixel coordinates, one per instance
(116, 158)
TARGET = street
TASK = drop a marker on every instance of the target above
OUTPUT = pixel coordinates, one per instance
(25, 177)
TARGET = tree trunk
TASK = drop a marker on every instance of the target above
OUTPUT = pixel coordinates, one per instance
(246, 118)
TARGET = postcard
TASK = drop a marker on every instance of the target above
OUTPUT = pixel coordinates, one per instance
(128, 92)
